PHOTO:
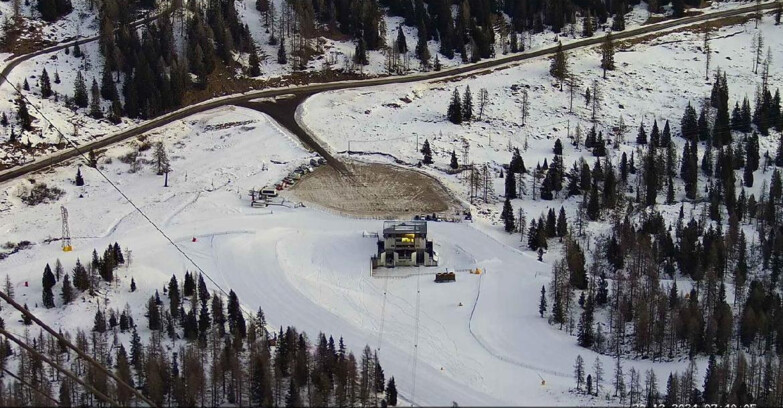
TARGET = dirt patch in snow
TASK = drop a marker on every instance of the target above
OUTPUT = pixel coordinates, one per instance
(377, 191)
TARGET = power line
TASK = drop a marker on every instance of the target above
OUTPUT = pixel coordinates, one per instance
(32, 387)
(67, 372)
(113, 185)
(78, 351)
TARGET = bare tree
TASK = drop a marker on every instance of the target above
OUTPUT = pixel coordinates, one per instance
(596, 100)
(483, 100)
(758, 47)
(525, 107)
(707, 50)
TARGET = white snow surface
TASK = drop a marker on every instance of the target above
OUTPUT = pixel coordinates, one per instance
(303, 267)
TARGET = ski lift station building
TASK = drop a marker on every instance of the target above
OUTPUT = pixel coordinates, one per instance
(404, 243)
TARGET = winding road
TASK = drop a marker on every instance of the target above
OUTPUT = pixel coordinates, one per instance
(284, 110)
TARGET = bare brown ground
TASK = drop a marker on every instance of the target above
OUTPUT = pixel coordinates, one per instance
(376, 191)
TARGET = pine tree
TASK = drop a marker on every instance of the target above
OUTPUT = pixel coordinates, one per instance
(593, 205)
(81, 279)
(360, 53)
(391, 392)
(454, 164)
(48, 282)
(25, 119)
(562, 223)
(511, 185)
(108, 87)
(607, 54)
(587, 25)
(678, 8)
(95, 101)
(454, 113)
(579, 372)
(422, 50)
(79, 180)
(254, 63)
(618, 23)
(46, 86)
(65, 393)
(641, 137)
(161, 159)
(559, 67)
(402, 43)
(174, 298)
(99, 323)
(153, 314)
(189, 286)
(236, 320)
(80, 97)
(507, 215)
(467, 105)
(542, 302)
(66, 293)
(133, 285)
(689, 124)
(281, 53)
(426, 152)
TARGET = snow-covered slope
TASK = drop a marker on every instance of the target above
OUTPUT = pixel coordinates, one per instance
(480, 340)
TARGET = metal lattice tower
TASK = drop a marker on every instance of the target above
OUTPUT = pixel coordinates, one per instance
(66, 238)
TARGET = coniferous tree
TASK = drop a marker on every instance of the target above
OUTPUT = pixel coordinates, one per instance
(455, 109)
(25, 119)
(587, 25)
(467, 105)
(586, 335)
(559, 65)
(174, 298)
(81, 279)
(281, 53)
(79, 180)
(607, 54)
(422, 50)
(391, 393)
(641, 137)
(48, 282)
(360, 53)
(66, 292)
(689, 124)
(133, 285)
(46, 86)
(426, 152)
(254, 64)
(108, 87)
(402, 42)
(454, 164)
(542, 302)
(95, 100)
(511, 185)
(508, 216)
(236, 320)
(80, 96)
